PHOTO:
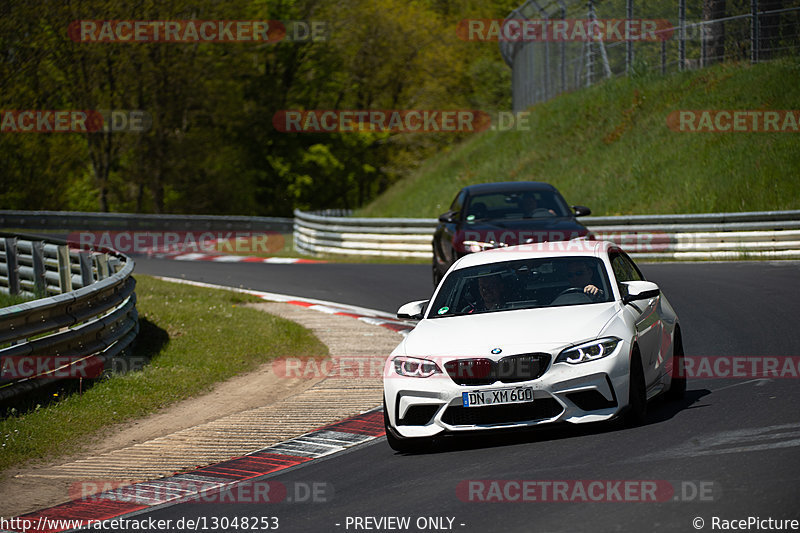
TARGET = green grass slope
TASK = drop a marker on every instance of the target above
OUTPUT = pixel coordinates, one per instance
(609, 147)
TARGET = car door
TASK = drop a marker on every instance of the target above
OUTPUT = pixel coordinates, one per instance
(645, 314)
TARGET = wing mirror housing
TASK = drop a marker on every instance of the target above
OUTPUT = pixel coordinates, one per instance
(640, 290)
(447, 218)
(581, 210)
(412, 310)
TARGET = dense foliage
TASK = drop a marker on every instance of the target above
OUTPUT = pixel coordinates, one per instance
(212, 147)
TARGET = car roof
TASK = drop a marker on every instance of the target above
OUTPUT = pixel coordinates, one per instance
(579, 247)
(508, 186)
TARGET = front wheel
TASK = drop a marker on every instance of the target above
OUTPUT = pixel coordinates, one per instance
(677, 388)
(637, 394)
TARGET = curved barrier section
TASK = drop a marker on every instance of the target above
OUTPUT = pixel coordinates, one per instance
(392, 237)
(762, 234)
(89, 321)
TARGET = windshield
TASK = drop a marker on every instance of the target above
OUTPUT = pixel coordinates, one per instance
(526, 204)
(522, 284)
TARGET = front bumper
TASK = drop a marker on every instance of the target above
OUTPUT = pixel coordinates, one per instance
(593, 391)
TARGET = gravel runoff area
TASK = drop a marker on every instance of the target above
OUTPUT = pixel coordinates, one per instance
(238, 416)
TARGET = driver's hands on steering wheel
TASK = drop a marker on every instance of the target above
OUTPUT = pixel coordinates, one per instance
(592, 290)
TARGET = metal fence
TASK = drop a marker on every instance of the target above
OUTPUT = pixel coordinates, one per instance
(695, 35)
(70, 220)
(763, 234)
(85, 311)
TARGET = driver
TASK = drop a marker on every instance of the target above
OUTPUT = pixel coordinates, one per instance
(491, 291)
(580, 277)
(530, 207)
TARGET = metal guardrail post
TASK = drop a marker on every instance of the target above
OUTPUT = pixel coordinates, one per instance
(588, 45)
(546, 51)
(85, 261)
(629, 42)
(39, 269)
(64, 269)
(101, 264)
(562, 49)
(12, 264)
(682, 35)
(754, 31)
(703, 48)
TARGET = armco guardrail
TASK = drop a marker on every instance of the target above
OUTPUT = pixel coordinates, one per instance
(70, 220)
(89, 321)
(771, 234)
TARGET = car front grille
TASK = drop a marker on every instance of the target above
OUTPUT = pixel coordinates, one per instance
(540, 409)
(509, 369)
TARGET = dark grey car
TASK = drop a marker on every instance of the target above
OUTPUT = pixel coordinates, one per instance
(491, 215)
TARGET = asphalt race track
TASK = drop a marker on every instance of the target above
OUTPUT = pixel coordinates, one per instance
(730, 450)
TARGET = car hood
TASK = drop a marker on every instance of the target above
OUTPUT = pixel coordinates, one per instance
(521, 231)
(543, 329)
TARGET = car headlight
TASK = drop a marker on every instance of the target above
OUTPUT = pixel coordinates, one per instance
(415, 368)
(588, 351)
(480, 246)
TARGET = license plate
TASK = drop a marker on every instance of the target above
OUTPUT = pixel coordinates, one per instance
(497, 396)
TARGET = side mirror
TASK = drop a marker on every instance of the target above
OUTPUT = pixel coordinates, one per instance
(581, 210)
(640, 290)
(412, 310)
(447, 218)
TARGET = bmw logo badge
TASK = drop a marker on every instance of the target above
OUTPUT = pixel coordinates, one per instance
(496, 351)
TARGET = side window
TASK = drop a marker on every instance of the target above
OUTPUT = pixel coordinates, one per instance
(624, 269)
(632, 268)
(458, 203)
(621, 271)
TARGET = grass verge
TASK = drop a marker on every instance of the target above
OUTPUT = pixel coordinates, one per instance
(194, 338)
(609, 147)
(7, 300)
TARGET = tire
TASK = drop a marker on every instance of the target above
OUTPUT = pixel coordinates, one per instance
(636, 413)
(677, 388)
(403, 444)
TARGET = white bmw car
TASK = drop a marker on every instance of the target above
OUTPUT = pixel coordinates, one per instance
(529, 335)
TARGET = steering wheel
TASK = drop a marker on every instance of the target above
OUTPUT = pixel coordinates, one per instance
(469, 308)
(571, 290)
